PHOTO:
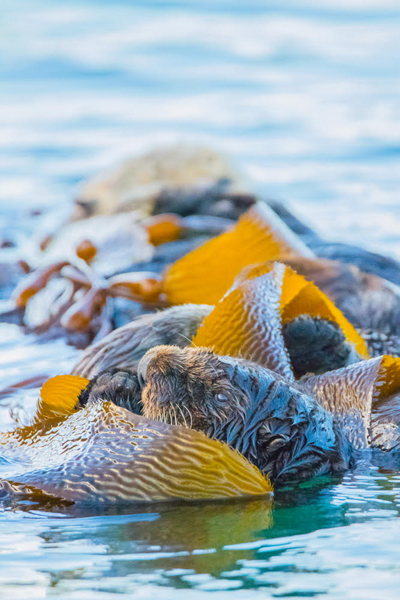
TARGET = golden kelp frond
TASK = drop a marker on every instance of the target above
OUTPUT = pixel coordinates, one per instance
(301, 297)
(248, 321)
(163, 228)
(204, 275)
(111, 456)
(58, 400)
(387, 381)
(352, 392)
(310, 300)
(59, 396)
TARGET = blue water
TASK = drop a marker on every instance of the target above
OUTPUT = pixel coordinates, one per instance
(305, 96)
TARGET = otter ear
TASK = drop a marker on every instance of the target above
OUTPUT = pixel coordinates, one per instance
(204, 275)
(355, 392)
(248, 321)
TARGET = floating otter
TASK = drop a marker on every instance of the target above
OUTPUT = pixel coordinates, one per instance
(274, 424)
(290, 430)
(182, 178)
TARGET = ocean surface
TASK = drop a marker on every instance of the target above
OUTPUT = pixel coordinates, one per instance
(305, 97)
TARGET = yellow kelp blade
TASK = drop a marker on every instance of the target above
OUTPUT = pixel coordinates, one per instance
(301, 297)
(59, 396)
(248, 321)
(204, 275)
(105, 455)
(310, 300)
(354, 392)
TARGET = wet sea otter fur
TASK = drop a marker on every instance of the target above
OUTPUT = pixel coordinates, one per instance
(369, 302)
(289, 430)
(284, 431)
(273, 423)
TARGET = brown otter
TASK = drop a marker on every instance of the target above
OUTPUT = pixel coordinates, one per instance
(289, 430)
(272, 422)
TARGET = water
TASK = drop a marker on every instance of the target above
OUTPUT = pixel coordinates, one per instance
(305, 96)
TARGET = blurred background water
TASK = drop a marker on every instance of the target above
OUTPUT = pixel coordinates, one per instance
(305, 95)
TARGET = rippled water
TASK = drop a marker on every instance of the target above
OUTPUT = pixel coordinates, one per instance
(305, 95)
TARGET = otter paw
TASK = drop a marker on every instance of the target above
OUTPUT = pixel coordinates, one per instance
(317, 345)
(115, 385)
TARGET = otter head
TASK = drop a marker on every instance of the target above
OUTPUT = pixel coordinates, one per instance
(194, 388)
(285, 432)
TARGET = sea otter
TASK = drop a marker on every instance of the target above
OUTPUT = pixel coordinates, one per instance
(275, 425)
(272, 422)
(290, 430)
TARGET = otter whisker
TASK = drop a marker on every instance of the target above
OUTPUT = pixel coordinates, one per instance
(190, 415)
(183, 416)
(176, 418)
(187, 339)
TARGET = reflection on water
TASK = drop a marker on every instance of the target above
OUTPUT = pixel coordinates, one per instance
(305, 95)
(327, 538)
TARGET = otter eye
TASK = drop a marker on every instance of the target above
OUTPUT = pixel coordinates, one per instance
(221, 397)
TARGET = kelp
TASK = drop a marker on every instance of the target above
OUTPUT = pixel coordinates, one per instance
(84, 294)
(248, 321)
(103, 454)
(204, 275)
(365, 397)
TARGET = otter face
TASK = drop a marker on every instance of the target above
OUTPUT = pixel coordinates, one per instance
(285, 432)
(194, 388)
